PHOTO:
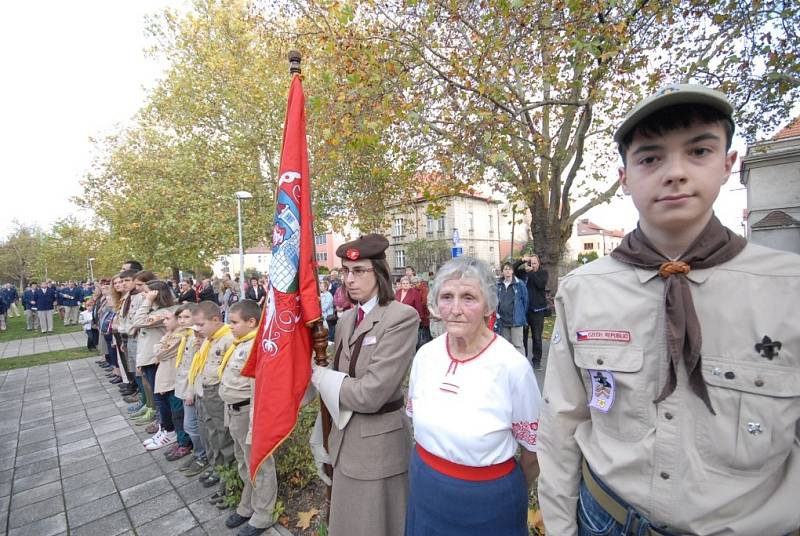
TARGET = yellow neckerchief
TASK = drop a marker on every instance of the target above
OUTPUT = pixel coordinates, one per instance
(199, 361)
(182, 346)
(229, 352)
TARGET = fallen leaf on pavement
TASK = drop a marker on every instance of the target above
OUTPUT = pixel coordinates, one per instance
(304, 518)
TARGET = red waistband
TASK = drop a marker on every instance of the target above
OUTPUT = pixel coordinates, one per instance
(466, 472)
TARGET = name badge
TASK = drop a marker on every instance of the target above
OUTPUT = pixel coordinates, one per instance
(603, 390)
(368, 341)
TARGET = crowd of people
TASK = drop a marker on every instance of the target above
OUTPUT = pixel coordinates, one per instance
(40, 303)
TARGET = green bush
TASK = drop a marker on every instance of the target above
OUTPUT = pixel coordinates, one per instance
(293, 460)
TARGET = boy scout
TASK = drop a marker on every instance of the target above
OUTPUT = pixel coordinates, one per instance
(256, 504)
(672, 401)
(204, 375)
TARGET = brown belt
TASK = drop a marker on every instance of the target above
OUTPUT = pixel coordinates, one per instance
(617, 510)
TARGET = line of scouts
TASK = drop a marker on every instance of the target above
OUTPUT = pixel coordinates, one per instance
(40, 302)
(181, 365)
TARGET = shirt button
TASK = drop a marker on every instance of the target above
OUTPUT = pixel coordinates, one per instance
(668, 416)
(599, 361)
(759, 383)
(730, 375)
(664, 475)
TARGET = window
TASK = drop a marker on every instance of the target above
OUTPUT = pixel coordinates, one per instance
(472, 251)
(440, 224)
(321, 239)
(430, 224)
(399, 225)
(322, 257)
(471, 221)
(399, 258)
(588, 246)
(491, 224)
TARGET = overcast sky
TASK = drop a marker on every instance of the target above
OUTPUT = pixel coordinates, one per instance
(72, 70)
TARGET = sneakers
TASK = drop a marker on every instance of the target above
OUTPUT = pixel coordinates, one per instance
(162, 439)
(178, 452)
(141, 411)
(135, 407)
(133, 399)
(155, 437)
(153, 427)
(145, 418)
(195, 467)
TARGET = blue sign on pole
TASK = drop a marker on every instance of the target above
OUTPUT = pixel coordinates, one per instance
(457, 252)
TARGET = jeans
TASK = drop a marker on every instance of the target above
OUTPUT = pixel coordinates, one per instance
(164, 410)
(192, 428)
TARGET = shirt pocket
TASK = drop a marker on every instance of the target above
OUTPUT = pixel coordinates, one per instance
(627, 419)
(757, 408)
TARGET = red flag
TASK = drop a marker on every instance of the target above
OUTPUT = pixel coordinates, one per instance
(280, 359)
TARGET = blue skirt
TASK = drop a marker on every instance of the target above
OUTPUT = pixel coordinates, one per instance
(440, 505)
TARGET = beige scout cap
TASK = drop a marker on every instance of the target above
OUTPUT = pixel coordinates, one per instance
(669, 96)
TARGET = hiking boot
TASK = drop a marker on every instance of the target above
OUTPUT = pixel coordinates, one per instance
(164, 439)
(133, 399)
(196, 467)
(178, 452)
(168, 451)
(234, 520)
(154, 427)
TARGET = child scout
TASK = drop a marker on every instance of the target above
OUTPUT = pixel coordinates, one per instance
(672, 396)
(257, 503)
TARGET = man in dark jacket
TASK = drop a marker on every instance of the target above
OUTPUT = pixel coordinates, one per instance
(44, 299)
(70, 298)
(256, 292)
(9, 294)
(31, 319)
(207, 292)
(529, 269)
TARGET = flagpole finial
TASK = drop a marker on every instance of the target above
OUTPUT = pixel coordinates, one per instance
(294, 62)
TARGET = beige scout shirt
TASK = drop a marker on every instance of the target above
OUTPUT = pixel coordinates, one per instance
(210, 375)
(183, 390)
(166, 351)
(234, 387)
(691, 472)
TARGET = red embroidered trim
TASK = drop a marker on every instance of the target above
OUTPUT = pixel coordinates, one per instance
(525, 431)
(455, 362)
(466, 472)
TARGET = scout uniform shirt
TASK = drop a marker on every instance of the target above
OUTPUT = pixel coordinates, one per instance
(183, 389)
(210, 373)
(686, 469)
(234, 387)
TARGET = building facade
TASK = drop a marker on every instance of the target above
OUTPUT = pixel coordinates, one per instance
(589, 237)
(421, 232)
(771, 173)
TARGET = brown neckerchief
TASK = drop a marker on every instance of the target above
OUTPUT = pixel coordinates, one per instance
(715, 245)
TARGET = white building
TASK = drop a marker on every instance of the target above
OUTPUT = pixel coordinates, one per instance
(255, 259)
(589, 237)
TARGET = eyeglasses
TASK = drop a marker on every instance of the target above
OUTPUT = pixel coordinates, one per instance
(358, 272)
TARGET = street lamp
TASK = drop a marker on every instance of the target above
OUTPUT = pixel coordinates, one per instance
(91, 270)
(240, 195)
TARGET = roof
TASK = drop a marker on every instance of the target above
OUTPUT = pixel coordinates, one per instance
(586, 228)
(776, 218)
(792, 130)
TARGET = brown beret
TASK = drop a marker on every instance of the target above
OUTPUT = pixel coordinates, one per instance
(371, 246)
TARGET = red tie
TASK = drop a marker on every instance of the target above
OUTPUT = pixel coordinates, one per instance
(359, 316)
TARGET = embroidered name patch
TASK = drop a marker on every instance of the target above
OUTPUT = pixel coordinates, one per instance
(602, 390)
(369, 341)
(603, 335)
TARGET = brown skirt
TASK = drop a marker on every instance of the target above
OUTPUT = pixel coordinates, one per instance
(368, 507)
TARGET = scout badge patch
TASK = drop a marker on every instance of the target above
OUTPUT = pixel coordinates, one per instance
(602, 390)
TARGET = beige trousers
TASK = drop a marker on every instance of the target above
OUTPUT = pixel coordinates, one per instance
(71, 314)
(258, 501)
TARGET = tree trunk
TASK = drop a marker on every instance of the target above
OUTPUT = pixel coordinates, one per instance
(176, 274)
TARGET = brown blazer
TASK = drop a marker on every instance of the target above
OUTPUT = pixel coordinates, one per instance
(374, 446)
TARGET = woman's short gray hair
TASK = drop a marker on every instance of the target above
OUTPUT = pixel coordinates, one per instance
(466, 268)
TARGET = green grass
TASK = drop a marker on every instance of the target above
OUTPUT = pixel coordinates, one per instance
(16, 329)
(547, 332)
(46, 358)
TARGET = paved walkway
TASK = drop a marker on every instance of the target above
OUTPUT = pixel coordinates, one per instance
(70, 463)
(38, 345)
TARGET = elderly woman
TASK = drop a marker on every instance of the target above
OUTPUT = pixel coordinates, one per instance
(473, 400)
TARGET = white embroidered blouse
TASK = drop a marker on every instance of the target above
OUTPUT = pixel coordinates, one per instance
(476, 411)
